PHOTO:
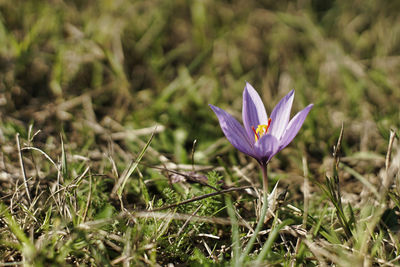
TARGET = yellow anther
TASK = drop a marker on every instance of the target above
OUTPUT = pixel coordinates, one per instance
(261, 130)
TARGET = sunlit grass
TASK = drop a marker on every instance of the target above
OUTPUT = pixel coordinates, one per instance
(85, 85)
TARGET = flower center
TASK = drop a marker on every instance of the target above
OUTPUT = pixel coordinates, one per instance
(261, 130)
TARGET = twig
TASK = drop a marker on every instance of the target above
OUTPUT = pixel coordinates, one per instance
(202, 197)
(179, 216)
(189, 177)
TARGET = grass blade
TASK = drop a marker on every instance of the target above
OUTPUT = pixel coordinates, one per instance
(119, 187)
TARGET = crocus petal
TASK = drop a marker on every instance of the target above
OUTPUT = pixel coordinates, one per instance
(294, 126)
(233, 131)
(280, 115)
(266, 147)
(253, 110)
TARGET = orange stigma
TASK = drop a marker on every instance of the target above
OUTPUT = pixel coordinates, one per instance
(255, 132)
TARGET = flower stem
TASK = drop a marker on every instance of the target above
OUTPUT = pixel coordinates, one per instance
(265, 176)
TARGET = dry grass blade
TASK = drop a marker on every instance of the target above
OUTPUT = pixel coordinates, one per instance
(42, 152)
(389, 150)
(21, 162)
(336, 148)
(388, 179)
(188, 220)
(133, 134)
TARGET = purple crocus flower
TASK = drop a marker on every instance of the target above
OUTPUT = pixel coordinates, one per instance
(261, 138)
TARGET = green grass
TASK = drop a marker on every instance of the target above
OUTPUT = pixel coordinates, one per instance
(105, 122)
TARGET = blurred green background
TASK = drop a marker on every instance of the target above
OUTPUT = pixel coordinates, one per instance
(146, 62)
